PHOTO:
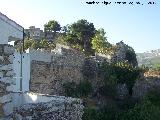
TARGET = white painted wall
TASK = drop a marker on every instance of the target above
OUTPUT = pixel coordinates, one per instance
(9, 28)
(29, 97)
(39, 55)
(25, 71)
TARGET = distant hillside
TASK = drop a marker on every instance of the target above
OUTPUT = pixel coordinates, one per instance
(149, 58)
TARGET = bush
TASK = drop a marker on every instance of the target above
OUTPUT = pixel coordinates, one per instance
(106, 113)
(80, 90)
(147, 109)
(119, 73)
(69, 88)
(143, 111)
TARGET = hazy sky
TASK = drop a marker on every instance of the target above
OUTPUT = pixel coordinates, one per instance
(137, 25)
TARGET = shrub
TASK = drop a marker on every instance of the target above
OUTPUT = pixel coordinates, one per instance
(80, 90)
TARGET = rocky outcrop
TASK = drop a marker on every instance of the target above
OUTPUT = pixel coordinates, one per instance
(122, 91)
(142, 87)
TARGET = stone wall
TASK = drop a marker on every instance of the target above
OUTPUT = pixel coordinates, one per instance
(120, 53)
(48, 77)
(64, 65)
(43, 107)
(19, 105)
(6, 81)
(143, 86)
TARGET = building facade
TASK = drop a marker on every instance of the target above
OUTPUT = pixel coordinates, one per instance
(34, 33)
(9, 30)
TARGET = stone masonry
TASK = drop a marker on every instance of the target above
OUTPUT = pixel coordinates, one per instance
(60, 108)
(6, 81)
(16, 105)
(48, 78)
(120, 53)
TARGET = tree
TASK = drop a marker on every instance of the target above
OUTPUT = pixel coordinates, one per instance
(52, 26)
(44, 43)
(35, 45)
(131, 56)
(99, 41)
(84, 31)
(27, 43)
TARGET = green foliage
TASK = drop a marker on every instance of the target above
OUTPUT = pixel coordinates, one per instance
(70, 88)
(156, 67)
(35, 45)
(109, 88)
(44, 44)
(81, 33)
(80, 90)
(147, 109)
(143, 111)
(27, 43)
(154, 97)
(99, 42)
(89, 114)
(52, 26)
(105, 113)
(72, 39)
(84, 88)
(118, 73)
(131, 56)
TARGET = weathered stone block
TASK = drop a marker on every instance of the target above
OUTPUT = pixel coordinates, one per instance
(1, 111)
(122, 91)
(1, 48)
(8, 80)
(1, 75)
(11, 58)
(8, 108)
(8, 50)
(10, 88)
(6, 60)
(6, 98)
(9, 73)
(6, 67)
(2, 87)
(1, 58)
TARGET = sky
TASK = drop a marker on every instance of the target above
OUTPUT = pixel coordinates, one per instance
(136, 24)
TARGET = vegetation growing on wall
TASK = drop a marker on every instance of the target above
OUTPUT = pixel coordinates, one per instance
(77, 90)
(120, 72)
(147, 109)
(83, 36)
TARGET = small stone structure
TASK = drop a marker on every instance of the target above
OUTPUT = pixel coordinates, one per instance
(34, 33)
(48, 77)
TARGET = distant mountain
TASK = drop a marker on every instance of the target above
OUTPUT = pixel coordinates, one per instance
(149, 58)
